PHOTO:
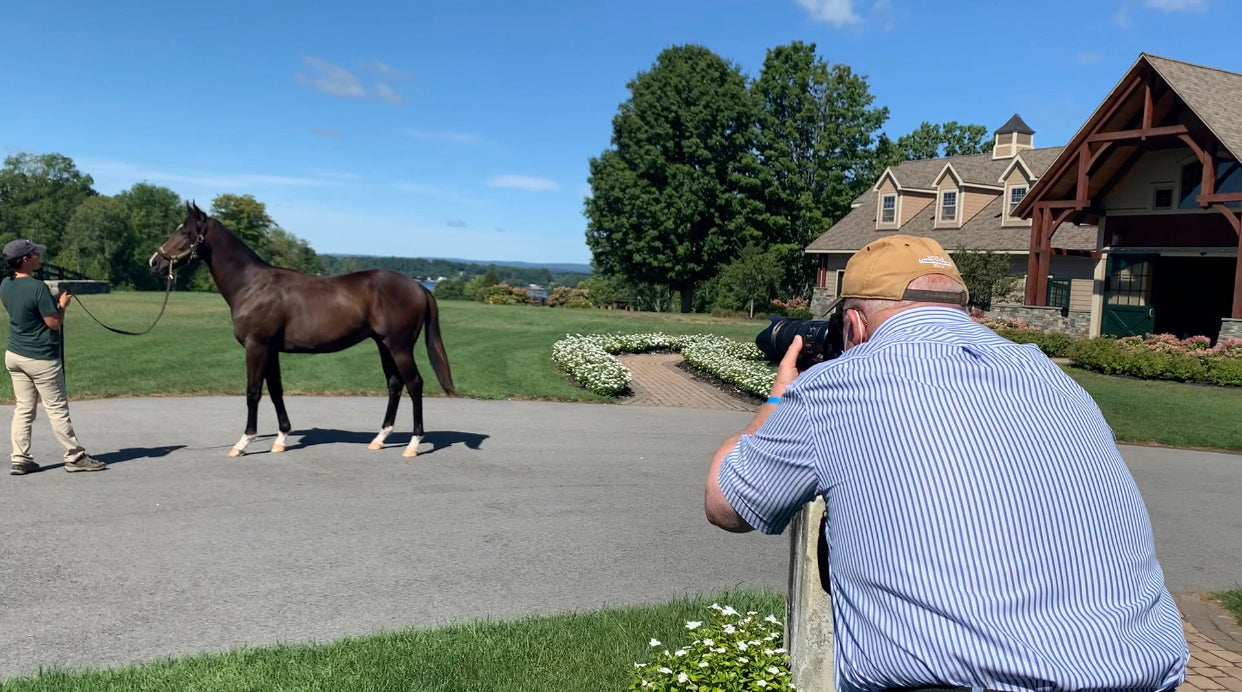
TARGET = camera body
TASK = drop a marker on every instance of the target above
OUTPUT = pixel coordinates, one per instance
(822, 340)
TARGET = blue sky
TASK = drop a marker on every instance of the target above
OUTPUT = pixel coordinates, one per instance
(464, 129)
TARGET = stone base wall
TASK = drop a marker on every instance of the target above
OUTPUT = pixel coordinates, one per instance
(77, 287)
(1230, 329)
(1076, 323)
(821, 298)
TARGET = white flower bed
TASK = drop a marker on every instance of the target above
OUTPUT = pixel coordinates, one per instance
(589, 359)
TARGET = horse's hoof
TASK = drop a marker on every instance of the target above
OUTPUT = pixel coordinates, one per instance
(410, 453)
(277, 449)
(375, 445)
(235, 452)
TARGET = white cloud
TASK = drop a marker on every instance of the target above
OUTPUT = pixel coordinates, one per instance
(387, 93)
(1088, 57)
(438, 193)
(835, 12)
(1122, 18)
(1176, 5)
(338, 81)
(386, 70)
(331, 79)
(523, 182)
(119, 172)
(443, 136)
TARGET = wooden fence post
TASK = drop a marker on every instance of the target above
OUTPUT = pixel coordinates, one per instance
(808, 610)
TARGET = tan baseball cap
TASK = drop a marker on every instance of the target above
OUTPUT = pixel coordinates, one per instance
(885, 267)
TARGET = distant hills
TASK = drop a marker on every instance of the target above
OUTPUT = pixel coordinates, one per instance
(558, 267)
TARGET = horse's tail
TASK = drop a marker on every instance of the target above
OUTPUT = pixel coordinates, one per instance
(435, 346)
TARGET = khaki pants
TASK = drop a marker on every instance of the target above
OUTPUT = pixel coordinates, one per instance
(35, 381)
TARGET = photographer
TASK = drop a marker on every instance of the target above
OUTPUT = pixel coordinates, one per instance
(33, 358)
(984, 531)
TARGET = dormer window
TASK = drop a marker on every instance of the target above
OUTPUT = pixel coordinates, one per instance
(948, 205)
(1014, 198)
(888, 208)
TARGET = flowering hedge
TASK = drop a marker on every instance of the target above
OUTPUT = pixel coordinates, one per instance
(733, 652)
(589, 358)
(1163, 357)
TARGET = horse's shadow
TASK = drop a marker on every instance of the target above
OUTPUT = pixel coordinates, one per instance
(127, 454)
(439, 439)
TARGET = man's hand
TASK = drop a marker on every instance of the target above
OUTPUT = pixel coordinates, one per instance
(787, 371)
(63, 299)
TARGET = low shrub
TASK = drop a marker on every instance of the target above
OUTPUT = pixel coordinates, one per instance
(589, 359)
(1162, 357)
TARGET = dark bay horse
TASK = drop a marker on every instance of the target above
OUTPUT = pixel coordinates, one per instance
(279, 310)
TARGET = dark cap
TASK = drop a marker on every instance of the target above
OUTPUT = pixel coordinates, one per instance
(22, 247)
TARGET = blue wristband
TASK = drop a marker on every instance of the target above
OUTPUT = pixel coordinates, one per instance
(773, 400)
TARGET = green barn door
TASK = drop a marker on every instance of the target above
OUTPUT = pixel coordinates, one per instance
(1127, 296)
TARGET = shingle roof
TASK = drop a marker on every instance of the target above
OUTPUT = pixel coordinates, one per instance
(1014, 124)
(983, 231)
(1214, 95)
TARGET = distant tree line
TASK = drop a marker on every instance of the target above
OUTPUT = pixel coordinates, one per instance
(715, 183)
(456, 271)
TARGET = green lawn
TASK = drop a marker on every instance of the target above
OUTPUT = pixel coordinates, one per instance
(496, 351)
(589, 651)
(503, 352)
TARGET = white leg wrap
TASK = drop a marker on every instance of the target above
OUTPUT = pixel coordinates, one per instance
(411, 450)
(279, 444)
(378, 442)
(240, 448)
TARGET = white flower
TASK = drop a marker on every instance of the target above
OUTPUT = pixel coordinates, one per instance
(709, 642)
(682, 678)
(772, 619)
(728, 610)
(729, 629)
(693, 625)
(655, 642)
(741, 646)
(715, 606)
(720, 650)
(679, 652)
(752, 612)
(774, 670)
(640, 665)
(769, 651)
(743, 659)
(761, 683)
(781, 650)
(703, 664)
(666, 671)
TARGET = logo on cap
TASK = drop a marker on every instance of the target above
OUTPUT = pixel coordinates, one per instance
(938, 261)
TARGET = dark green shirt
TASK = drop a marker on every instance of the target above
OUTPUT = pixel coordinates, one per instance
(28, 300)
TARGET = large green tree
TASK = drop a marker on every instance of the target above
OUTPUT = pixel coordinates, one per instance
(154, 213)
(38, 195)
(668, 202)
(98, 241)
(247, 218)
(817, 147)
(752, 277)
(930, 141)
(289, 251)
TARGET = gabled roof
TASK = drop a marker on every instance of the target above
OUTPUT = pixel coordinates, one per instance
(1014, 124)
(983, 231)
(1214, 95)
(1211, 95)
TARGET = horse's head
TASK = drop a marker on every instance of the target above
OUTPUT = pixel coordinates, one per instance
(182, 247)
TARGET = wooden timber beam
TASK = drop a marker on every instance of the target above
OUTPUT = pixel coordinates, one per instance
(1236, 223)
(1032, 258)
(1139, 134)
(1074, 252)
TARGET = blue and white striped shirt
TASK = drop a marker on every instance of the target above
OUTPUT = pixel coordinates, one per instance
(983, 528)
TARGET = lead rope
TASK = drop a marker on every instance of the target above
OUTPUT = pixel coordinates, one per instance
(64, 368)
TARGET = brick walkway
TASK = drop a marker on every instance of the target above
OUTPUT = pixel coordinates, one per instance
(1214, 636)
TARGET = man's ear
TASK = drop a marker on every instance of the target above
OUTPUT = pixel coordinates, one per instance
(855, 328)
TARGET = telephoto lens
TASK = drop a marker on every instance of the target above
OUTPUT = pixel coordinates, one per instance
(821, 339)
